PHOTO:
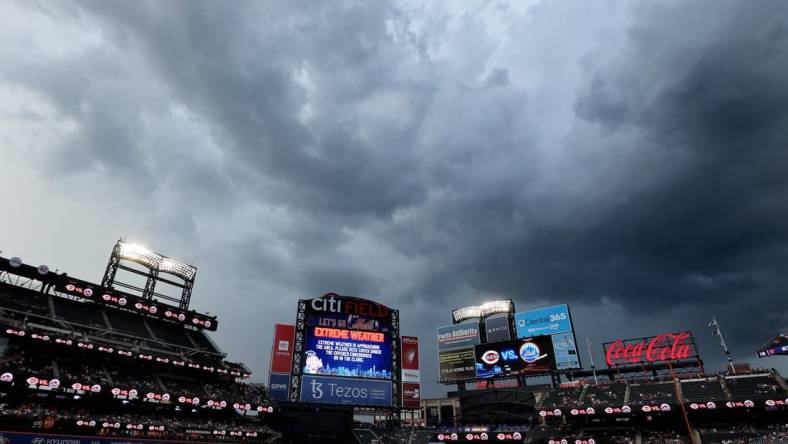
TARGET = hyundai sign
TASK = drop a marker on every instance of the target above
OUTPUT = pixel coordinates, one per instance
(329, 390)
(543, 321)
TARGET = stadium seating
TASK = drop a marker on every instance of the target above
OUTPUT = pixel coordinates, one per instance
(646, 393)
(605, 394)
(703, 390)
(763, 386)
(562, 397)
(128, 323)
(72, 365)
(79, 313)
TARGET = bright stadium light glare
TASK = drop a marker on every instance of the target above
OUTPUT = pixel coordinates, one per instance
(177, 268)
(465, 313)
(496, 307)
(138, 253)
(481, 311)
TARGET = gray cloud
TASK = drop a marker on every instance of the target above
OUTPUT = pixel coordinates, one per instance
(420, 155)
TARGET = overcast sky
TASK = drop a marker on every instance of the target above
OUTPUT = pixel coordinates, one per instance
(626, 158)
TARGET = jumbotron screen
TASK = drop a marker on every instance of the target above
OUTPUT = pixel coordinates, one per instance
(515, 357)
(350, 353)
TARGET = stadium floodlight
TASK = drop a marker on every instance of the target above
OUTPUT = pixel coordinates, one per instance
(482, 311)
(139, 254)
(177, 268)
(465, 313)
(497, 307)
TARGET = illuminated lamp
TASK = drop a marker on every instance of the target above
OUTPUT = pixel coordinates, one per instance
(463, 314)
(177, 268)
(138, 253)
(482, 311)
(497, 307)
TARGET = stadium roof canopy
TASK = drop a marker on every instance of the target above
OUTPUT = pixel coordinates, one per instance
(775, 346)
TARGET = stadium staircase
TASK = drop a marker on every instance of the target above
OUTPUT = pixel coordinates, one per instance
(781, 382)
(365, 436)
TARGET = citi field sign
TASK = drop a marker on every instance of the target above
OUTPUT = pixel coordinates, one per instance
(345, 305)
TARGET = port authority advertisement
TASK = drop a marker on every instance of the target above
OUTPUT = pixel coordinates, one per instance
(345, 391)
(457, 336)
(543, 321)
(516, 357)
(455, 351)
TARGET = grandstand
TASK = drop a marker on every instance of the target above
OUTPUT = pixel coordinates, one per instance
(72, 364)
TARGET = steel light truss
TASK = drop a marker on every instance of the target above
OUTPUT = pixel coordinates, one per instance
(482, 311)
(154, 263)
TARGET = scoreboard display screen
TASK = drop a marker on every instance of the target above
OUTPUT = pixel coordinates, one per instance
(515, 357)
(347, 353)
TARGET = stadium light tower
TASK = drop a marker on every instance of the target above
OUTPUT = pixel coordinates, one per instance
(154, 264)
(482, 311)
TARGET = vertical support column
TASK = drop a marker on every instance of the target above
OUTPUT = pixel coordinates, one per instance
(396, 364)
(112, 267)
(297, 366)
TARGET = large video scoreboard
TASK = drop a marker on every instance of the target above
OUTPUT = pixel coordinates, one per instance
(348, 352)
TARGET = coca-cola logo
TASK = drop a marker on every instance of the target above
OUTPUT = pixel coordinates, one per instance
(664, 347)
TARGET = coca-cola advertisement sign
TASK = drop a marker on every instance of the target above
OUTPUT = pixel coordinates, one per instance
(659, 348)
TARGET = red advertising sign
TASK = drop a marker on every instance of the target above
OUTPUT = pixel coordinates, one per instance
(410, 359)
(660, 348)
(282, 348)
(411, 395)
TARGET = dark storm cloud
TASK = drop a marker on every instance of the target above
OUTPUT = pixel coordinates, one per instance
(415, 156)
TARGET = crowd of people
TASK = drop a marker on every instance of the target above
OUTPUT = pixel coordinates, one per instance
(153, 424)
(745, 434)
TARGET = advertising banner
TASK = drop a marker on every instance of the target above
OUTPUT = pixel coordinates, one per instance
(335, 311)
(345, 391)
(410, 359)
(664, 347)
(518, 356)
(566, 356)
(43, 438)
(497, 329)
(458, 336)
(282, 348)
(350, 353)
(411, 395)
(543, 321)
(278, 385)
(457, 364)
